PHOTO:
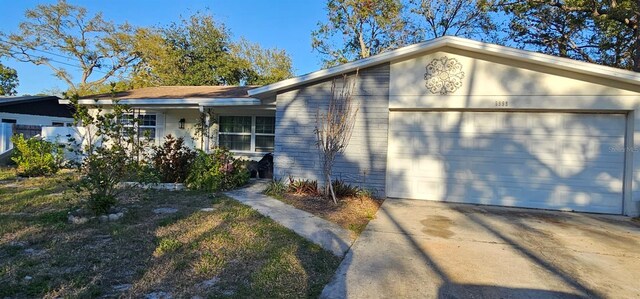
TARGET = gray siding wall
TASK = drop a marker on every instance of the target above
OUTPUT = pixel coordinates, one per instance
(364, 161)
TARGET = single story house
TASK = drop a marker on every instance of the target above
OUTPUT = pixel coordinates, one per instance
(449, 119)
(247, 125)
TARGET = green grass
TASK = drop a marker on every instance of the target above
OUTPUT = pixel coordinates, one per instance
(8, 173)
(244, 253)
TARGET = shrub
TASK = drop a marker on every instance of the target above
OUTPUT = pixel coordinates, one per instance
(303, 186)
(217, 171)
(364, 193)
(276, 188)
(112, 154)
(103, 170)
(141, 172)
(172, 160)
(35, 156)
(342, 189)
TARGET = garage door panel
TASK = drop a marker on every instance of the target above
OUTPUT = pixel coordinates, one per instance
(514, 171)
(508, 164)
(538, 160)
(533, 181)
(590, 149)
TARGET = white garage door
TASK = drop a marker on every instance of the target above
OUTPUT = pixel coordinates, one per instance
(564, 161)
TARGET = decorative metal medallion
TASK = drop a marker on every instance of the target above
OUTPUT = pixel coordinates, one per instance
(444, 75)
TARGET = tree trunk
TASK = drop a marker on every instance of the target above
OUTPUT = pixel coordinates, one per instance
(333, 194)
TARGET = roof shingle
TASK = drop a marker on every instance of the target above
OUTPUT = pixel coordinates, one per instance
(177, 92)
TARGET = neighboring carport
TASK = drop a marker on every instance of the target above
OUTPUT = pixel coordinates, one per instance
(425, 249)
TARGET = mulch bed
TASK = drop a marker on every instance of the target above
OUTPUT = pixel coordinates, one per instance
(352, 213)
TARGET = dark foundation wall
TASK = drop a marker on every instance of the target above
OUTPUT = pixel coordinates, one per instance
(364, 160)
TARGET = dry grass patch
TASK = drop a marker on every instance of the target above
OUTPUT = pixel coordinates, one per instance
(353, 213)
(232, 251)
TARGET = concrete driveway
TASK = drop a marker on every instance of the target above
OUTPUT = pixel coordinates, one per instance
(422, 249)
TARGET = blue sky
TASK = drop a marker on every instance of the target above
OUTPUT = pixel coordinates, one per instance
(285, 24)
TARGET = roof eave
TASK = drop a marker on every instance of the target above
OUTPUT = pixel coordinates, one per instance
(177, 102)
(344, 68)
(459, 43)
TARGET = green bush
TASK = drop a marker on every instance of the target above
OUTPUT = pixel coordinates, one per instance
(35, 156)
(217, 171)
(342, 189)
(142, 172)
(103, 170)
(172, 160)
(276, 188)
(364, 193)
(115, 151)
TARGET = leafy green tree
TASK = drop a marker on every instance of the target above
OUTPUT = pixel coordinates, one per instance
(63, 37)
(360, 28)
(8, 81)
(195, 51)
(604, 32)
(265, 66)
(199, 51)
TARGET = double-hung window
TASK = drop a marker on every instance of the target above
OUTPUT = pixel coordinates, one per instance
(247, 133)
(146, 124)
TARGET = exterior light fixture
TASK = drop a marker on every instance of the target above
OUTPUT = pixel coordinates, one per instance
(181, 122)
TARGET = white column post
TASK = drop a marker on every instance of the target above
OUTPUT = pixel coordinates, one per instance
(207, 130)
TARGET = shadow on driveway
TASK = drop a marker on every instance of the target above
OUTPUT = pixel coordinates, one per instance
(433, 249)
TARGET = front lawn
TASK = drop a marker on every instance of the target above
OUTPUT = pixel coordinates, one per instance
(228, 250)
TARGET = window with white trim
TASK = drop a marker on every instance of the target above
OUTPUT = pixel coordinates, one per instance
(146, 124)
(247, 133)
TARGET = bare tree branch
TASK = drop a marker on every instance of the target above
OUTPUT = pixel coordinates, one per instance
(335, 126)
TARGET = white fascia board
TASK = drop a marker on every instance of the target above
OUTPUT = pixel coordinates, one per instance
(346, 68)
(546, 60)
(463, 44)
(230, 102)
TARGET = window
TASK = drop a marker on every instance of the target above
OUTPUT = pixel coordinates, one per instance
(247, 133)
(265, 133)
(235, 132)
(9, 120)
(146, 124)
(57, 124)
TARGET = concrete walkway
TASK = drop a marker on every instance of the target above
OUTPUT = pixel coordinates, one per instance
(328, 235)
